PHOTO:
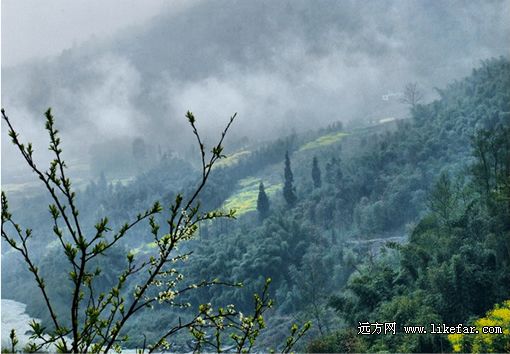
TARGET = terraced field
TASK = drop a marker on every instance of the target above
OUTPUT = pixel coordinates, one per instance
(323, 141)
(245, 200)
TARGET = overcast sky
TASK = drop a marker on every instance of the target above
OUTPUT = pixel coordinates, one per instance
(32, 31)
(126, 69)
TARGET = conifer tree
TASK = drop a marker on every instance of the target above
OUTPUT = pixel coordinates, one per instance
(316, 173)
(288, 189)
(262, 203)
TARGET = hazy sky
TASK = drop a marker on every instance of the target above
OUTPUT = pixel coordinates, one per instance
(122, 70)
(34, 29)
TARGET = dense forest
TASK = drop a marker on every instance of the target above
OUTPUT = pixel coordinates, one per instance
(404, 221)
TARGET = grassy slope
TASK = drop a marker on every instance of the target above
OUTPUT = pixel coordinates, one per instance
(245, 199)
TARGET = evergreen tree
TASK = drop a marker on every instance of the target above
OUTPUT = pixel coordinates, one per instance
(288, 189)
(316, 173)
(262, 203)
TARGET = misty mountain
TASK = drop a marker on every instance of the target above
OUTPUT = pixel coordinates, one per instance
(284, 65)
(354, 246)
(364, 177)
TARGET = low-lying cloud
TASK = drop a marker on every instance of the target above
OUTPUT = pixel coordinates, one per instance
(283, 66)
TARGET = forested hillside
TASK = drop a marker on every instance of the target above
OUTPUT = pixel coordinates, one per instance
(430, 178)
(456, 265)
(406, 221)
